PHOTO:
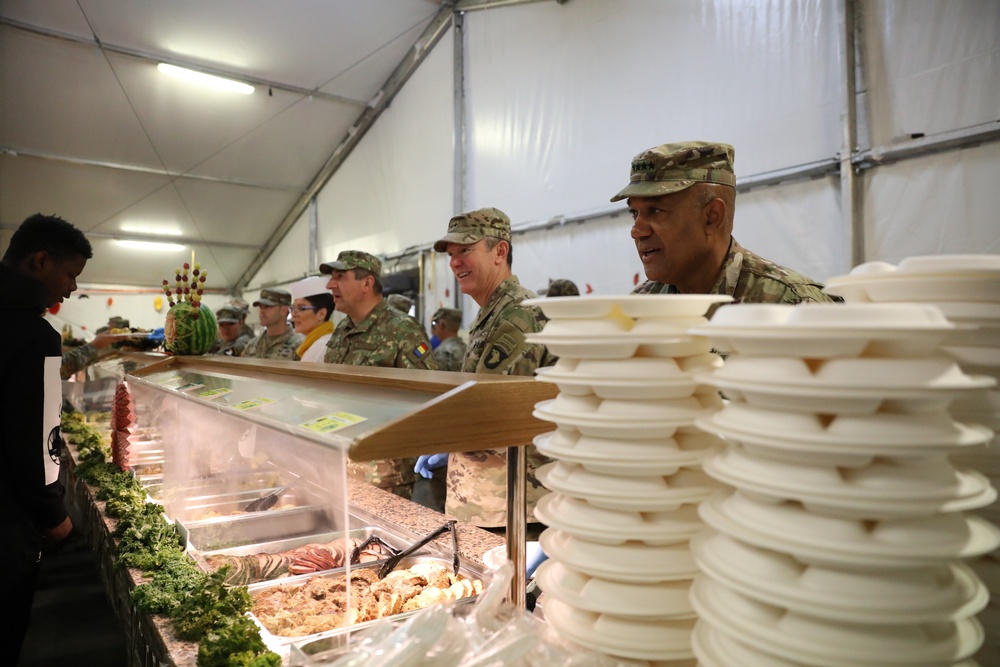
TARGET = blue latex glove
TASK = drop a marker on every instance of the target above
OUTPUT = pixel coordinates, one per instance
(428, 462)
(157, 335)
(534, 561)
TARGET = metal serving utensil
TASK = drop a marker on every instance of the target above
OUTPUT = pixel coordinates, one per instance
(268, 501)
(390, 564)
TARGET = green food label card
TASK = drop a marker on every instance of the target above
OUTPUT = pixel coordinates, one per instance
(214, 393)
(334, 422)
(251, 404)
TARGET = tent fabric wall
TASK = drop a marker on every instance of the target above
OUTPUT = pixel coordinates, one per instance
(395, 189)
(559, 97)
(937, 204)
(555, 121)
(931, 65)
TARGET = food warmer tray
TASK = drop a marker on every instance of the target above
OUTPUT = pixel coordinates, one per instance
(466, 568)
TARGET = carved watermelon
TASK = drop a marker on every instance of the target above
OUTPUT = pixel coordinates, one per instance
(183, 334)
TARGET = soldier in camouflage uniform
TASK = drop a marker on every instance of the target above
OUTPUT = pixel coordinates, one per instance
(76, 359)
(232, 340)
(277, 340)
(562, 287)
(479, 245)
(244, 309)
(450, 352)
(373, 334)
(682, 197)
(403, 304)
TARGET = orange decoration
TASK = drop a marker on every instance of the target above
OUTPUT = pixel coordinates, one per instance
(110, 301)
(590, 290)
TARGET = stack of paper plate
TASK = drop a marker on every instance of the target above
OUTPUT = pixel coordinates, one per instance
(966, 289)
(842, 540)
(627, 477)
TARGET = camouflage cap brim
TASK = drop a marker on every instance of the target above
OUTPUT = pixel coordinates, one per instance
(330, 267)
(652, 189)
(264, 302)
(461, 238)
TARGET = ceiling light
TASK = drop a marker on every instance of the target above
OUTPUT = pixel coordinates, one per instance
(206, 79)
(151, 229)
(150, 245)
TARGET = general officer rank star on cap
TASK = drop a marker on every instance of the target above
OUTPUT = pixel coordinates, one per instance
(670, 168)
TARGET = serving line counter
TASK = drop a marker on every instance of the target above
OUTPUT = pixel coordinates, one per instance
(207, 425)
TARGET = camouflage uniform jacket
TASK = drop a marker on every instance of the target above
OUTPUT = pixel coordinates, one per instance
(76, 359)
(386, 337)
(450, 354)
(282, 346)
(749, 278)
(477, 481)
(233, 348)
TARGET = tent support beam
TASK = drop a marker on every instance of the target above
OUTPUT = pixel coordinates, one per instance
(138, 169)
(379, 103)
(851, 212)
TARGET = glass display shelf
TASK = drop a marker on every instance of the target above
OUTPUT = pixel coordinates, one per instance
(372, 413)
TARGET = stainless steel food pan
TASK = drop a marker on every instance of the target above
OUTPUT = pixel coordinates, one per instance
(469, 570)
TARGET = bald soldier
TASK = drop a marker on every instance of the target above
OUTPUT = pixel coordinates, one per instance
(373, 334)
(479, 245)
(450, 352)
(682, 198)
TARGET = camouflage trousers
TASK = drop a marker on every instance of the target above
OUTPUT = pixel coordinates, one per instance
(393, 475)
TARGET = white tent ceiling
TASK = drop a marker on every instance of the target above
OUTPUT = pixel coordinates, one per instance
(91, 131)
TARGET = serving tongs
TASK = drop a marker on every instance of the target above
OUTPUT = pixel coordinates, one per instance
(268, 501)
(390, 564)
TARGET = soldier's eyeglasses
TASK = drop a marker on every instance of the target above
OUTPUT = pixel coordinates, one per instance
(302, 309)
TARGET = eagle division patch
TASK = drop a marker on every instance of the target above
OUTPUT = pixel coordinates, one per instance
(502, 348)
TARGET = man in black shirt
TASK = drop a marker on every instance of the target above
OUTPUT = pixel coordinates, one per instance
(39, 269)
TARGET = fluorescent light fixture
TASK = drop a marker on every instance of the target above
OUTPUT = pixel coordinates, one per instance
(151, 230)
(206, 79)
(150, 245)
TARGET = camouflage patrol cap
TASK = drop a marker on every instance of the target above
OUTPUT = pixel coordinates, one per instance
(273, 297)
(452, 314)
(353, 259)
(117, 322)
(239, 304)
(400, 302)
(473, 226)
(674, 167)
(562, 287)
(228, 314)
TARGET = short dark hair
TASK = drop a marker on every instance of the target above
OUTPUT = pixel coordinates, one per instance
(49, 233)
(322, 300)
(493, 242)
(361, 274)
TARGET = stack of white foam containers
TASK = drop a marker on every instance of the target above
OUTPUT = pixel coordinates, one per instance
(842, 543)
(627, 475)
(966, 288)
